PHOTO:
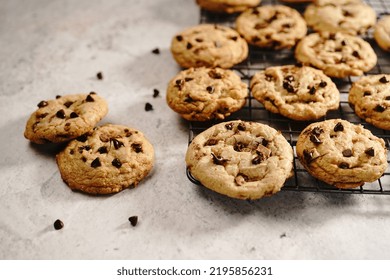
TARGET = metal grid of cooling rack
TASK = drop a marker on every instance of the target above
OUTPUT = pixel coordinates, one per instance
(259, 59)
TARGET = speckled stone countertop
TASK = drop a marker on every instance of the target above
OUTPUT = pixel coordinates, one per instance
(53, 47)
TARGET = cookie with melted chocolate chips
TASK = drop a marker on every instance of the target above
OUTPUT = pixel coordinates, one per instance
(341, 154)
(244, 160)
(106, 160)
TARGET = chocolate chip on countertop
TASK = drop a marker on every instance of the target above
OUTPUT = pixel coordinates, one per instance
(61, 114)
(338, 127)
(58, 224)
(370, 152)
(99, 75)
(96, 163)
(148, 107)
(133, 220)
(156, 92)
(156, 51)
(42, 104)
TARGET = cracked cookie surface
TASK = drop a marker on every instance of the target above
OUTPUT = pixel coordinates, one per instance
(337, 55)
(370, 98)
(382, 33)
(341, 154)
(227, 6)
(298, 93)
(244, 160)
(209, 45)
(65, 118)
(201, 94)
(106, 160)
(271, 26)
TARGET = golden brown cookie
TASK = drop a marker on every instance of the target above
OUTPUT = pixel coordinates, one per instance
(227, 6)
(106, 160)
(382, 33)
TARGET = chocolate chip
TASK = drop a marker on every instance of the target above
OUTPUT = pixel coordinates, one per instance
(137, 147)
(42, 104)
(332, 36)
(155, 93)
(41, 116)
(347, 13)
(234, 38)
(179, 83)
(210, 89)
(289, 78)
(323, 84)
(117, 144)
(96, 163)
(317, 131)
(344, 165)
(199, 40)
(307, 156)
(241, 126)
(103, 150)
(189, 46)
(356, 54)
(269, 78)
(312, 90)
(218, 160)
(156, 51)
(58, 224)
(379, 108)
(264, 142)
(84, 159)
(58, 96)
(288, 87)
(255, 12)
(229, 126)
(343, 43)
(214, 74)
(116, 162)
(148, 107)
(211, 142)
(188, 79)
(82, 138)
(179, 38)
(383, 80)
(61, 114)
(68, 104)
(188, 99)
(99, 75)
(239, 146)
(74, 115)
(261, 25)
(314, 139)
(366, 93)
(347, 153)
(258, 159)
(370, 152)
(93, 93)
(89, 98)
(133, 220)
(338, 127)
(255, 39)
(387, 97)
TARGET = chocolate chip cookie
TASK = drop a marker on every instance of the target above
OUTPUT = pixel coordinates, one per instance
(338, 55)
(201, 94)
(351, 18)
(106, 160)
(341, 154)
(209, 45)
(65, 118)
(298, 93)
(271, 26)
(382, 33)
(370, 99)
(227, 6)
(244, 160)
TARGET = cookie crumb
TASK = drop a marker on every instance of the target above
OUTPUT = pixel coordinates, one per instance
(148, 107)
(156, 51)
(133, 220)
(99, 75)
(283, 235)
(58, 224)
(156, 93)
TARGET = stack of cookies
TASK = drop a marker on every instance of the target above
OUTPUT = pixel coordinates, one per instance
(97, 159)
(249, 160)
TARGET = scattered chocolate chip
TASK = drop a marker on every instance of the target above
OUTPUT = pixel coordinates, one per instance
(239, 146)
(347, 13)
(42, 104)
(96, 163)
(347, 153)
(287, 25)
(314, 139)
(179, 38)
(61, 114)
(234, 38)
(199, 40)
(116, 162)
(148, 107)
(156, 51)
(255, 12)
(264, 142)
(117, 144)
(74, 115)
(261, 25)
(188, 99)
(89, 98)
(308, 156)
(92, 92)
(344, 165)
(338, 127)
(269, 78)
(323, 84)
(156, 92)
(258, 159)
(288, 87)
(137, 147)
(229, 126)
(317, 131)
(366, 93)
(383, 80)
(289, 78)
(99, 75)
(187, 79)
(133, 220)
(58, 224)
(379, 108)
(68, 104)
(189, 46)
(241, 126)
(84, 159)
(210, 89)
(387, 97)
(82, 138)
(370, 152)
(103, 150)
(41, 116)
(343, 43)
(214, 74)
(179, 83)
(58, 96)
(218, 160)
(312, 90)
(332, 36)
(211, 142)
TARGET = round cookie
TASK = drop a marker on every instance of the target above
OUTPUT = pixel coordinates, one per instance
(382, 33)
(227, 6)
(341, 154)
(271, 26)
(351, 18)
(201, 94)
(209, 45)
(244, 160)
(370, 99)
(298, 93)
(65, 118)
(335, 2)
(106, 160)
(338, 55)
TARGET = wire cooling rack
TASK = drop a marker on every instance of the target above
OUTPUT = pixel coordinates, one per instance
(259, 59)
